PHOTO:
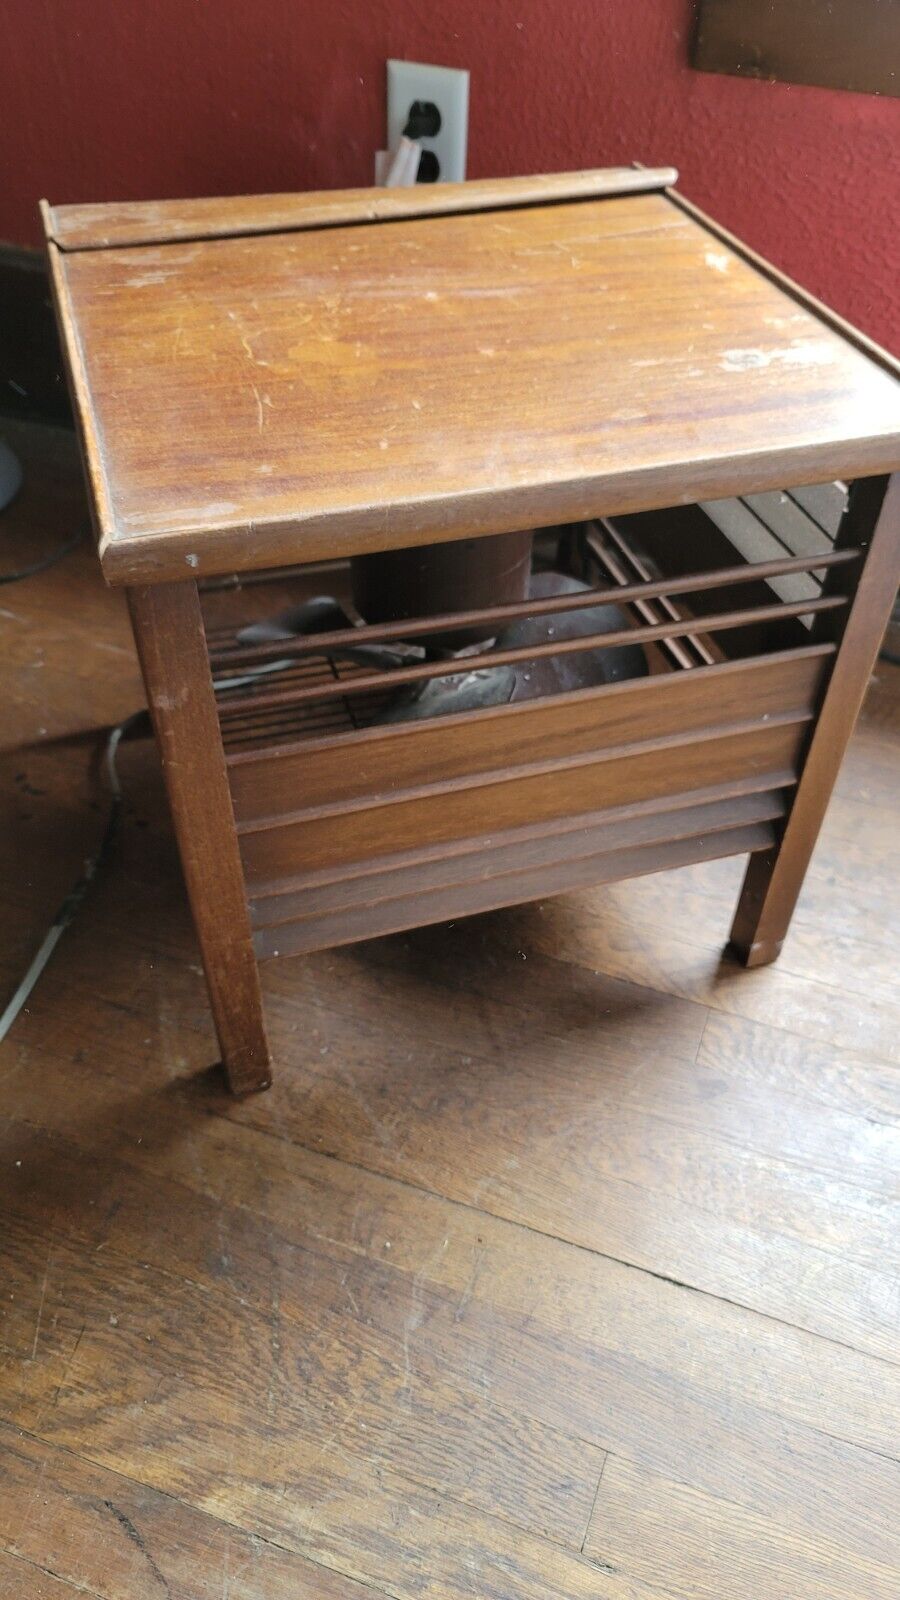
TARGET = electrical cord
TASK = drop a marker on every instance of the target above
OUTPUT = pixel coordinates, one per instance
(78, 892)
(79, 889)
(46, 562)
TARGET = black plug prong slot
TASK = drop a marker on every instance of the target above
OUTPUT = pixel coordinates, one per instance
(424, 120)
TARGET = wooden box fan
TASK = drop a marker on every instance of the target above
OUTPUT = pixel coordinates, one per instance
(565, 537)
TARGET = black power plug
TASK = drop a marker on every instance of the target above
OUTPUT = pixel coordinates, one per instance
(423, 122)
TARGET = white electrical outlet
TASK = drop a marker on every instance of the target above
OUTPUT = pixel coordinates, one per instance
(444, 87)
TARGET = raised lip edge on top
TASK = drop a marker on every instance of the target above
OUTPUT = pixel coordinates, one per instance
(76, 228)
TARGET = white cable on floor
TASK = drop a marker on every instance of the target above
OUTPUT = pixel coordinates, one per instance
(78, 891)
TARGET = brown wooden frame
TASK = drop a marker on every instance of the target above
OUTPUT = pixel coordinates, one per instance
(775, 876)
(291, 843)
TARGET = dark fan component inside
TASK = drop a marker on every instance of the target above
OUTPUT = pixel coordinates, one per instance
(464, 575)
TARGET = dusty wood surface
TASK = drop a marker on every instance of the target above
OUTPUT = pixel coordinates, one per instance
(255, 400)
(560, 1260)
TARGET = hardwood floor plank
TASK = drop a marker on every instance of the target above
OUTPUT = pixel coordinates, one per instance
(227, 1207)
(303, 1378)
(368, 1531)
(153, 1389)
(840, 1082)
(855, 958)
(111, 1537)
(681, 1201)
(597, 933)
(721, 1548)
(20, 1580)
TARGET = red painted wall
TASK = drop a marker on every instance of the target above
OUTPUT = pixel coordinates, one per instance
(120, 99)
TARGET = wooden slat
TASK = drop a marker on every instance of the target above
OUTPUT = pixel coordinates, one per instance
(462, 900)
(380, 762)
(572, 840)
(461, 810)
(142, 222)
(607, 544)
(735, 790)
(683, 536)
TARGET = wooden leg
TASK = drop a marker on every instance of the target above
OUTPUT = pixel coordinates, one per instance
(775, 877)
(168, 629)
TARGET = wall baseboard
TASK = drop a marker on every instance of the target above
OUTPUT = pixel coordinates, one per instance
(32, 381)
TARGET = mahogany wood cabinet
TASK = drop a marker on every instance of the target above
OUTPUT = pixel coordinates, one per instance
(275, 385)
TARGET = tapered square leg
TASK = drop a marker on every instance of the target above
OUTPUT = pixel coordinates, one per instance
(775, 877)
(168, 630)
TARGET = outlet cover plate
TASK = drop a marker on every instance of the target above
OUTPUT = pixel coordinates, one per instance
(448, 89)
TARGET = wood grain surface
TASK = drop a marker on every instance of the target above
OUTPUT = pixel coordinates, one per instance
(261, 399)
(774, 880)
(95, 227)
(560, 1260)
(171, 646)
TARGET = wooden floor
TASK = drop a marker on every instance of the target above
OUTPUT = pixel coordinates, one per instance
(560, 1261)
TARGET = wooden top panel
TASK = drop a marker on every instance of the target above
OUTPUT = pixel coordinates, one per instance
(161, 221)
(253, 401)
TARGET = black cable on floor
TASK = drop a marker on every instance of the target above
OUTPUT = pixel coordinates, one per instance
(46, 561)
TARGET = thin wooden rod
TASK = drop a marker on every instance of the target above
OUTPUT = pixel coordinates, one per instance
(604, 525)
(648, 610)
(447, 622)
(77, 228)
(508, 658)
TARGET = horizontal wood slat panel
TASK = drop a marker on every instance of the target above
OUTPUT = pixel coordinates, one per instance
(382, 762)
(558, 827)
(467, 899)
(521, 848)
(617, 777)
